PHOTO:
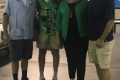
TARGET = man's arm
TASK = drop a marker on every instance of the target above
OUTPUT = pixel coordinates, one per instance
(107, 30)
(57, 34)
(34, 27)
(35, 21)
(58, 26)
(5, 27)
(5, 23)
(109, 15)
(58, 38)
(100, 41)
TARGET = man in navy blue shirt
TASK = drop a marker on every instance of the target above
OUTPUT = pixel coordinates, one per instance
(101, 40)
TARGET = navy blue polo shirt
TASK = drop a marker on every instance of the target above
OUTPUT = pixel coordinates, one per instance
(100, 12)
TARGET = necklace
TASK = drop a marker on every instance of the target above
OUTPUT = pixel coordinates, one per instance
(70, 14)
(71, 6)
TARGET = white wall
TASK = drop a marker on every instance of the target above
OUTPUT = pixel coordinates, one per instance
(117, 13)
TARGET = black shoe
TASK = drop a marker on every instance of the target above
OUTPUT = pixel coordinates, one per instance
(24, 79)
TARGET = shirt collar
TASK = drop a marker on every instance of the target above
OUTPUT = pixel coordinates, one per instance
(29, 2)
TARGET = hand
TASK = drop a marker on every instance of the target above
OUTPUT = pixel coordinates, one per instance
(99, 43)
(6, 37)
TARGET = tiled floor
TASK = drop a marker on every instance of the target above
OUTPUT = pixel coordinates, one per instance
(2, 1)
(33, 73)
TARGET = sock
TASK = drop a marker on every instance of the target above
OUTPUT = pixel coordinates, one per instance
(24, 74)
(15, 76)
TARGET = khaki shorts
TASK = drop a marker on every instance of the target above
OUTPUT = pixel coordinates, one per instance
(102, 55)
(47, 40)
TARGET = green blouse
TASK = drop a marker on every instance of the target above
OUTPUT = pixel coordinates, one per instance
(62, 21)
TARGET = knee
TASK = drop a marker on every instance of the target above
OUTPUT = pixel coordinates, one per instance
(101, 67)
(24, 63)
(97, 65)
(14, 62)
(24, 60)
(54, 51)
(42, 52)
(56, 56)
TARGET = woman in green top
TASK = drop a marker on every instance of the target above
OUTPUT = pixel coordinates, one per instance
(72, 24)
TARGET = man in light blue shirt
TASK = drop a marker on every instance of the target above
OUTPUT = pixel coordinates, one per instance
(20, 16)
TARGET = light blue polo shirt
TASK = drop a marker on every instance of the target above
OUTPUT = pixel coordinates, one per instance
(21, 18)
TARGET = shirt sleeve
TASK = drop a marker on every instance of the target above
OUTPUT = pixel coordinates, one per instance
(37, 5)
(59, 19)
(109, 10)
(7, 8)
(35, 9)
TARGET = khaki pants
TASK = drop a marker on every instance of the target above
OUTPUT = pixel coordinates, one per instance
(45, 40)
(101, 55)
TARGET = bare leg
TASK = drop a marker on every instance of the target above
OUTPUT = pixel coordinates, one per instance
(24, 64)
(106, 74)
(56, 57)
(41, 60)
(15, 66)
(24, 67)
(98, 71)
(103, 74)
